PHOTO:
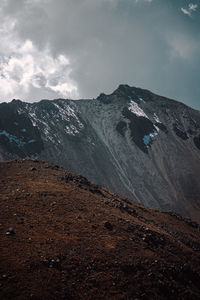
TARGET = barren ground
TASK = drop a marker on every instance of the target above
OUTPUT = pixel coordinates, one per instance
(71, 239)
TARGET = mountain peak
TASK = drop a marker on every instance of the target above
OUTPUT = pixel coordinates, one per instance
(123, 90)
(124, 87)
(121, 141)
(135, 93)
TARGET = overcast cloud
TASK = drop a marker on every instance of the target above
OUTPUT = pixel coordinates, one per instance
(80, 48)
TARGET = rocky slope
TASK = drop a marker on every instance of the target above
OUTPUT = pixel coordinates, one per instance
(63, 237)
(137, 144)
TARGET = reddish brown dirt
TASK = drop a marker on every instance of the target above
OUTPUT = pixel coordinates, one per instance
(75, 240)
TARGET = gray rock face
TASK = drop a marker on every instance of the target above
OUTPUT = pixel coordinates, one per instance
(133, 142)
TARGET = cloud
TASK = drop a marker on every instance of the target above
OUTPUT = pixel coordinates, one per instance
(137, 1)
(191, 8)
(69, 48)
(24, 67)
(182, 46)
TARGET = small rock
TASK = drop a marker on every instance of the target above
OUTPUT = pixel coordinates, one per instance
(10, 231)
(32, 169)
(108, 225)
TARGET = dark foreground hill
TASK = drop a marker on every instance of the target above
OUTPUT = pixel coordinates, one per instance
(62, 237)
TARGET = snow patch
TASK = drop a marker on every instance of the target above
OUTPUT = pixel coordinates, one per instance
(72, 130)
(147, 139)
(156, 118)
(12, 138)
(157, 129)
(32, 141)
(153, 134)
(65, 113)
(48, 135)
(20, 111)
(68, 111)
(33, 118)
(135, 109)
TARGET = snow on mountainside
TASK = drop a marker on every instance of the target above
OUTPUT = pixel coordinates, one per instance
(133, 142)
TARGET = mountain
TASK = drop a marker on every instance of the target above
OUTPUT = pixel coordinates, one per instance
(133, 142)
(63, 237)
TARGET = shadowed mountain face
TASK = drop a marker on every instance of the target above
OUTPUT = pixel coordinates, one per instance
(63, 237)
(137, 144)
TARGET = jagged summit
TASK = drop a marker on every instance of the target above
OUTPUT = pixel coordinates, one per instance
(126, 91)
(134, 142)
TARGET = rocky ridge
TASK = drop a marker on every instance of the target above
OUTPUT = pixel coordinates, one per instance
(133, 142)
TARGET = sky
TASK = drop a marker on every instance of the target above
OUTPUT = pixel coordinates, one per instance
(79, 48)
